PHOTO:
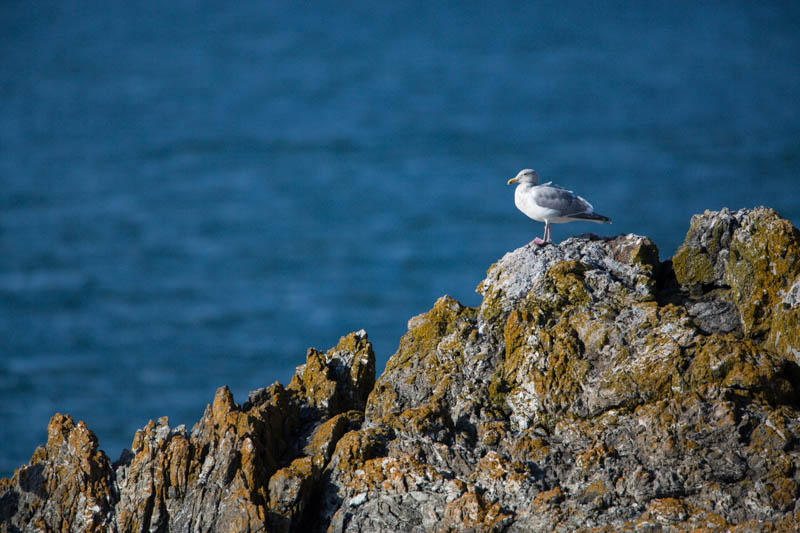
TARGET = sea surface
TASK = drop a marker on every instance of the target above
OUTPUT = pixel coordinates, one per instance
(193, 194)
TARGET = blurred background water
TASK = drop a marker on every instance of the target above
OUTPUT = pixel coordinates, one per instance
(191, 195)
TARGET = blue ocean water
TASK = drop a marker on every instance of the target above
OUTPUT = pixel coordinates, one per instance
(191, 195)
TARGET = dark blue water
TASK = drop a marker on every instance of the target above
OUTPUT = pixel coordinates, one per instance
(191, 196)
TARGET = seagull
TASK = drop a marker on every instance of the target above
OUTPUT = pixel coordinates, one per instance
(550, 203)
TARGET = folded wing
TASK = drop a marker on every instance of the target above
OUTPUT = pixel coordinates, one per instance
(564, 202)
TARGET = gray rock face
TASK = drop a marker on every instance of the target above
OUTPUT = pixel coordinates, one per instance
(594, 387)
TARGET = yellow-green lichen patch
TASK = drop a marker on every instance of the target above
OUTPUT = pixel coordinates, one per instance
(162, 461)
(666, 428)
(764, 260)
(355, 448)
(492, 306)
(339, 379)
(431, 420)
(493, 468)
(290, 489)
(265, 423)
(314, 385)
(594, 457)
(564, 286)
(491, 432)
(693, 268)
(773, 432)
(231, 453)
(472, 512)
(426, 331)
(596, 494)
(636, 250)
(429, 355)
(546, 507)
(355, 350)
(782, 492)
(560, 347)
(517, 332)
(652, 354)
(594, 329)
(325, 437)
(549, 498)
(390, 474)
(753, 256)
(68, 483)
(177, 463)
(726, 365)
(544, 371)
(679, 515)
(666, 511)
(784, 332)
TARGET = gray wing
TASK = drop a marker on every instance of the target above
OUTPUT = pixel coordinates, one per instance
(565, 202)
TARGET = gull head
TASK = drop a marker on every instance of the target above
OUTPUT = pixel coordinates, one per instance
(526, 175)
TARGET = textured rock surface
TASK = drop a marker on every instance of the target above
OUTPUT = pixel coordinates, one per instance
(594, 387)
(250, 467)
(749, 260)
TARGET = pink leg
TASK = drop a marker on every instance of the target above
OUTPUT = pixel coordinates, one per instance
(537, 241)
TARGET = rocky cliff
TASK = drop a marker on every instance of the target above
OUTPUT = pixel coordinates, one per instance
(594, 388)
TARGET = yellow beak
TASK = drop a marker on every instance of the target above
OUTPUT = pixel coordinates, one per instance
(513, 180)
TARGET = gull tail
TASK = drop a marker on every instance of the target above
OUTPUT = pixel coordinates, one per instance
(592, 217)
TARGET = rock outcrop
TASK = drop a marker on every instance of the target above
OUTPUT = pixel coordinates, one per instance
(594, 387)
